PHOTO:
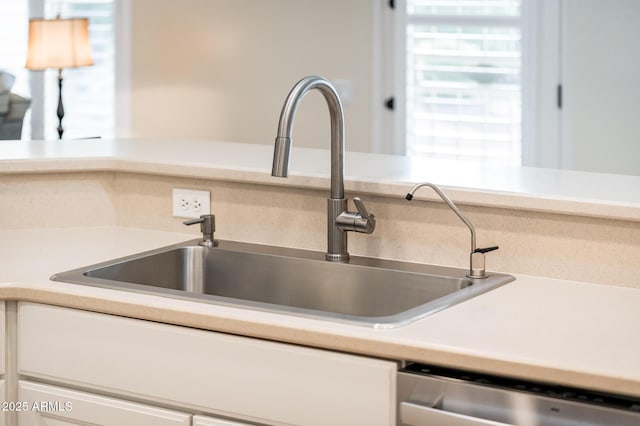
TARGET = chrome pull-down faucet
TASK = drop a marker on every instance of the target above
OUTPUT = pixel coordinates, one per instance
(476, 257)
(339, 219)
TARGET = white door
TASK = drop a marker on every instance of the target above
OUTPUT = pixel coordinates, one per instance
(46, 405)
(210, 421)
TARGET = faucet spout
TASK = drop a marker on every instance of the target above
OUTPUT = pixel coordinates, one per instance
(451, 205)
(339, 219)
(282, 151)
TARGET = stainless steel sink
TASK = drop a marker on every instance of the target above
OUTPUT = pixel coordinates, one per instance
(375, 292)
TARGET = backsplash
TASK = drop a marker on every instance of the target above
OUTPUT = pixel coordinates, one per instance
(544, 244)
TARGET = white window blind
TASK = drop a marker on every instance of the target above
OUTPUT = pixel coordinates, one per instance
(88, 93)
(464, 80)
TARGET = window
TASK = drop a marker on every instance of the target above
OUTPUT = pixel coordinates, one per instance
(88, 93)
(14, 30)
(463, 80)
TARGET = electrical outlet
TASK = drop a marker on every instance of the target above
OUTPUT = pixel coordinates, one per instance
(189, 203)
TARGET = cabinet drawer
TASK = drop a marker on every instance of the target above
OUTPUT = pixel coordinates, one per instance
(53, 405)
(210, 421)
(229, 375)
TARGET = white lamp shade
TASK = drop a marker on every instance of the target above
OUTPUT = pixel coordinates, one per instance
(58, 43)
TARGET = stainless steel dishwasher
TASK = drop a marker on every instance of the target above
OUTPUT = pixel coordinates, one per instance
(433, 396)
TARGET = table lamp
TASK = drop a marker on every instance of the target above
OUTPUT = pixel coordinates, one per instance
(58, 43)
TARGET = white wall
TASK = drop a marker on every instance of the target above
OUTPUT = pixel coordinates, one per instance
(601, 114)
(221, 69)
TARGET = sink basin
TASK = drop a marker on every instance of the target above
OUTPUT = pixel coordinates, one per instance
(374, 292)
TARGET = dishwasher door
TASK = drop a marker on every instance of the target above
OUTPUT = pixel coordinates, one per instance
(429, 396)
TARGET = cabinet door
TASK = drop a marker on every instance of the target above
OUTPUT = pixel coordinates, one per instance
(210, 421)
(3, 397)
(55, 406)
(233, 376)
(3, 339)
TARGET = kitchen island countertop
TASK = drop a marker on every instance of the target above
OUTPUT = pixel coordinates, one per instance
(557, 331)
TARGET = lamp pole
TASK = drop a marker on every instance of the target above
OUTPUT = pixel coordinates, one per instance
(58, 44)
(60, 111)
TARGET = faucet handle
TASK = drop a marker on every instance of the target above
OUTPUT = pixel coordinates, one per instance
(360, 206)
(477, 265)
(362, 221)
(367, 223)
(486, 249)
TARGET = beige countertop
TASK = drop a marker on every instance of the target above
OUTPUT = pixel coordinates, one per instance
(542, 329)
(533, 189)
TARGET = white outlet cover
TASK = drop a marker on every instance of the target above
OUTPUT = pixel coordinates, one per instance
(190, 203)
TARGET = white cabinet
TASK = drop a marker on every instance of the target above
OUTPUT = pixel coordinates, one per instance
(210, 421)
(3, 350)
(3, 398)
(3, 340)
(55, 406)
(231, 376)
